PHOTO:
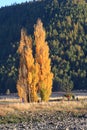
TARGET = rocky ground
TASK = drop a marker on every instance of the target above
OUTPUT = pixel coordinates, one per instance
(48, 121)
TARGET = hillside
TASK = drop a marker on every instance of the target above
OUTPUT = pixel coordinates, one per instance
(66, 26)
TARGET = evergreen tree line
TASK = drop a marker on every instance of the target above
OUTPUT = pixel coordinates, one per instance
(66, 26)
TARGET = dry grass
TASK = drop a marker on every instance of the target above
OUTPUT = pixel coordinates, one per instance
(10, 100)
(12, 105)
(4, 109)
(73, 106)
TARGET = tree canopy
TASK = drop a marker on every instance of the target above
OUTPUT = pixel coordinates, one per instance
(35, 76)
(66, 26)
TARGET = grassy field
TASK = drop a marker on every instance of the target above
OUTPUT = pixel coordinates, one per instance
(14, 111)
(10, 106)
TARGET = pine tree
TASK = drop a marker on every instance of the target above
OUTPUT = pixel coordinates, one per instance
(42, 58)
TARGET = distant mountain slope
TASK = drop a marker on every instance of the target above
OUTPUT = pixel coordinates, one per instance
(66, 26)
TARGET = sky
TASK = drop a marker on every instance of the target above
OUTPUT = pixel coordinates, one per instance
(10, 2)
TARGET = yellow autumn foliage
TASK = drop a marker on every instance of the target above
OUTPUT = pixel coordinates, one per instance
(34, 73)
(28, 70)
(42, 58)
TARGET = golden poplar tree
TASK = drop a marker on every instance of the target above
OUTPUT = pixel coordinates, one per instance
(22, 81)
(28, 70)
(34, 73)
(42, 58)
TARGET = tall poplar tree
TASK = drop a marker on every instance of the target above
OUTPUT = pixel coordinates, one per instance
(28, 70)
(34, 73)
(42, 58)
(22, 77)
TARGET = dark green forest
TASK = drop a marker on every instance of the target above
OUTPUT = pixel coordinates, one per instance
(65, 22)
